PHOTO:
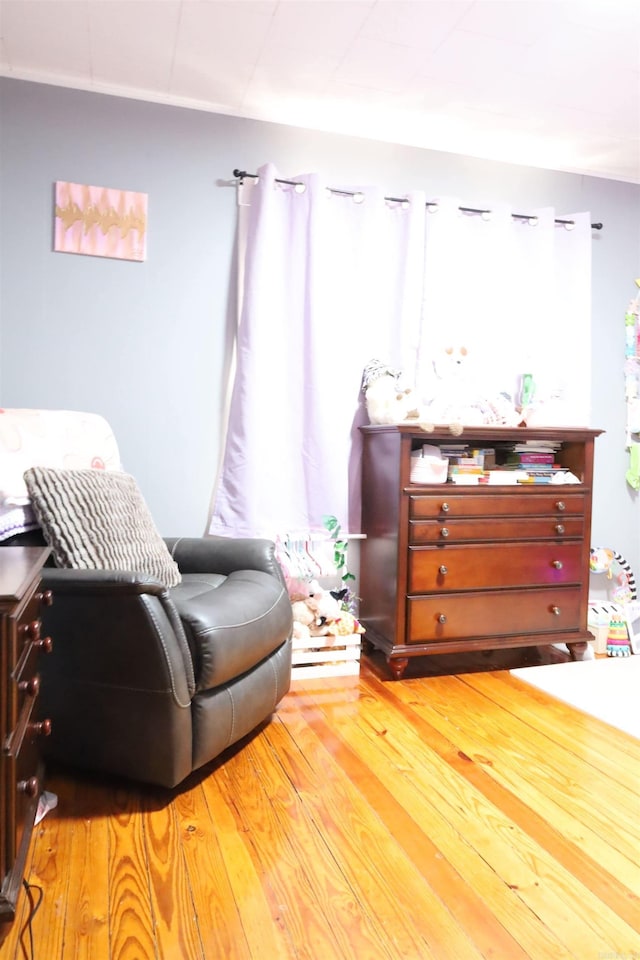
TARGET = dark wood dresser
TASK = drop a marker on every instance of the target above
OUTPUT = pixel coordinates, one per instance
(21, 770)
(453, 568)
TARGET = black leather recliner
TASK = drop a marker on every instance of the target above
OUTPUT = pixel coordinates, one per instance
(152, 683)
(146, 681)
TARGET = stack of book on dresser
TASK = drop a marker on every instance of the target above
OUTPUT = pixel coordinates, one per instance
(533, 461)
(468, 465)
(508, 463)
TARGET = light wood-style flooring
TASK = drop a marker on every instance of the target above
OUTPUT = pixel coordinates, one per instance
(441, 816)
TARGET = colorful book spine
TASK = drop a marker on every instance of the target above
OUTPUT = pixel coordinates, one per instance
(536, 457)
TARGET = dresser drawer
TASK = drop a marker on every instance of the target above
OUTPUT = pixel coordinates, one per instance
(495, 528)
(21, 770)
(27, 665)
(492, 614)
(558, 503)
(27, 787)
(441, 569)
(27, 728)
(25, 769)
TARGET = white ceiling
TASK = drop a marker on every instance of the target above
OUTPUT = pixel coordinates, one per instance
(549, 83)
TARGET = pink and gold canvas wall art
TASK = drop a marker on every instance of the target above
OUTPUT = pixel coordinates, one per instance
(100, 221)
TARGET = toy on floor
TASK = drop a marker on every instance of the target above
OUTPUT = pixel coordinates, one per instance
(625, 610)
(321, 614)
(618, 637)
(313, 611)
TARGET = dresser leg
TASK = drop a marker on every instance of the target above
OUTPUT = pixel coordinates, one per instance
(397, 665)
(580, 651)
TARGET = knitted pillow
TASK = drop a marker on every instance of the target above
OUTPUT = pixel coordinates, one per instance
(98, 520)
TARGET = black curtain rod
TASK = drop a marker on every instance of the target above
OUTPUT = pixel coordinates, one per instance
(241, 174)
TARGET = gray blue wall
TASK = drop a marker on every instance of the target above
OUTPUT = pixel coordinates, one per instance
(146, 344)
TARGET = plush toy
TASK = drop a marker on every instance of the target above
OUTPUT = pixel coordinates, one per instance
(459, 401)
(303, 618)
(386, 400)
(321, 615)
(301, 588)
(345, 625)
(326, 610)
(313, 614)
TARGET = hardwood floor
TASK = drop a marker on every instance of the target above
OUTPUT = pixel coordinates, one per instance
(441, 816)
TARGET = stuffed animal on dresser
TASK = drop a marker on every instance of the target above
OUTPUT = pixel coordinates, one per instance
(386, 400)
(458, 400)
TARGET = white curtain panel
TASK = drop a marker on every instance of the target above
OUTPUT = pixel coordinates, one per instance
(517, 295)
(329, 281)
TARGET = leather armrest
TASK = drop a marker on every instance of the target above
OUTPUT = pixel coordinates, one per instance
(100, 582)
(123, 623)
(224, 555)
(119, 681)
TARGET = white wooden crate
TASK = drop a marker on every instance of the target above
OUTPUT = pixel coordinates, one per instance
(328, 656)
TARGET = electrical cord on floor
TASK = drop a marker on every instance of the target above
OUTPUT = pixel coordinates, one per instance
(29, 887)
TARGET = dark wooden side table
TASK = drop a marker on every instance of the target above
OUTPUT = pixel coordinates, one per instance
(21, 769)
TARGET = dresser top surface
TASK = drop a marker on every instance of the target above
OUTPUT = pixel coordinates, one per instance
(18, 568)
(486, 433)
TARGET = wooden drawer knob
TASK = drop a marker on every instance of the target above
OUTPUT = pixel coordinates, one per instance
(45, 597)
(30, 687)
(40, 729)
(30, 787)
(45, 644)
(32, 630)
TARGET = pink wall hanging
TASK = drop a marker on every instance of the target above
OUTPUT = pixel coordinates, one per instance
(100, 221)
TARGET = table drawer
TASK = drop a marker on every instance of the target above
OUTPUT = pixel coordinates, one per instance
(32, 646)
(493, 614)
(495, 528)
(28, 787)
(21, 769)
(486, 504)
(442, 569)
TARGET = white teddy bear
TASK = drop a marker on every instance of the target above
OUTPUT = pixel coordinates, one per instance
(459, 401)
(386, 400)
